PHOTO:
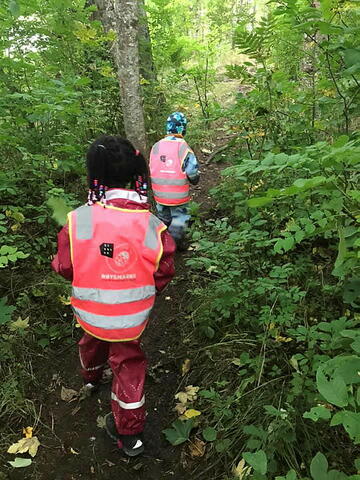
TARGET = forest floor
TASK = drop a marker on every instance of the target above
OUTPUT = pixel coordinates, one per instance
(74, 446)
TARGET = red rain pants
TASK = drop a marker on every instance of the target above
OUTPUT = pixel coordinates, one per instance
(128, 364)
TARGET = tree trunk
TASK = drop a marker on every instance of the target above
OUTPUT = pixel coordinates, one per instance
(122, 16)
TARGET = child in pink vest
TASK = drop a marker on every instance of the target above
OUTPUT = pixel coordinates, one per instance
(173, 166)
(118, 256)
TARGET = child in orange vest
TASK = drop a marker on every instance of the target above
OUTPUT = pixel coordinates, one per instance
(118, 256)
(173, 166)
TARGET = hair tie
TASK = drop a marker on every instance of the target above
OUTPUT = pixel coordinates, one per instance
(137, 153)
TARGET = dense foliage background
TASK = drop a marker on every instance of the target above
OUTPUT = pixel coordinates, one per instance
(275, 282)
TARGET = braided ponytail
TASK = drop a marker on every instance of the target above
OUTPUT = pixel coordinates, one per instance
(113, 162)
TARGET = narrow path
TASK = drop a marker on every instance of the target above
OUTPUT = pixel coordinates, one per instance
(74, 446)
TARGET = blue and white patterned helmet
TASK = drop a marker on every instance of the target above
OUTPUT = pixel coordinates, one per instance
(176, 123)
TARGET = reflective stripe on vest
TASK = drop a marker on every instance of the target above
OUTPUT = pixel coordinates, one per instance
(152, 238)
(113, 297)
(84, 224)
(166, 181)
(115, 322)
(170, 195)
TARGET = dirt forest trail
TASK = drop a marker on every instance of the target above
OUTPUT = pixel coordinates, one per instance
(73, 445)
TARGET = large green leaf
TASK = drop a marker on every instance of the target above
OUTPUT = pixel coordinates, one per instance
(351, 290)
(258, 201)
(334, 390)
(319, 467)
(351, 423)
(317, 413)
(257, 460)
(180, 431)
(351, 56)
(209, 434)
(60, 209)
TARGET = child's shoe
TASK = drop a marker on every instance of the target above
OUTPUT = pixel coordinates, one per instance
(132, 445)
(90, 388)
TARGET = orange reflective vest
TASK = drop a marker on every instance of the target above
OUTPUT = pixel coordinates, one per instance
(169, 183)
(115, 253)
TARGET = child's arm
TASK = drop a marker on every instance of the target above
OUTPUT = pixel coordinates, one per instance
(166, 269)
(191, 168)
(62, 260)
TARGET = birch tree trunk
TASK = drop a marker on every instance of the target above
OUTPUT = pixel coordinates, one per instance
(122, 16)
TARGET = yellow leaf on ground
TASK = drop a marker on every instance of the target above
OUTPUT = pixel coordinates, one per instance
(191, 413)
(281, 339)
(197, 448)
(24, 445)
(28, 432)
(241, 471)
(185, 366)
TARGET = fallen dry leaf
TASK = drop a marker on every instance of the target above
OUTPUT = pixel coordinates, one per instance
(197, 448)
(28, 432)
(24, 445)
(182, 397)
(180, 408)
(185, 368)
(100, 421)
(241, 471)
(190, 394)
(68, 394)
(19, 324)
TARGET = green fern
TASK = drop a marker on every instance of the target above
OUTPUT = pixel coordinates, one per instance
(256, 44)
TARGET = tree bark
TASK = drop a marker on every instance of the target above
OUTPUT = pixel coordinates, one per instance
(122, 16)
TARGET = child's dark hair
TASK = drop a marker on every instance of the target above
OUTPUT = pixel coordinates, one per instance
(112, 162)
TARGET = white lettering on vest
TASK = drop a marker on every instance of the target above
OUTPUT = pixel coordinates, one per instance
(111, 276)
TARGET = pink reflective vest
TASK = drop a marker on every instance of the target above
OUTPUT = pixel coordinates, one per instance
(115, 253)
(169, 183)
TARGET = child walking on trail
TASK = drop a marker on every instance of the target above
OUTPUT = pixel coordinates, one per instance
(118, 256)
(173, 166)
